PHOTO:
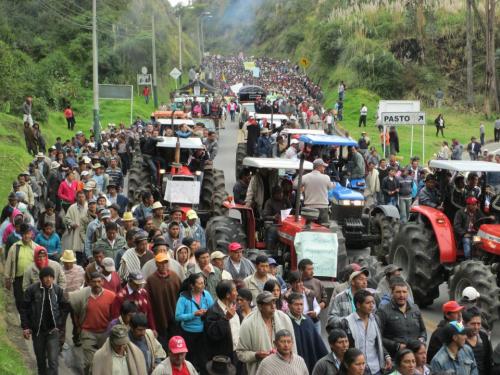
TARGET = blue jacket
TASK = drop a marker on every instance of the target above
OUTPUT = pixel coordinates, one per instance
(264, 147)
(52, 244)
(465, 364)
(187, 306)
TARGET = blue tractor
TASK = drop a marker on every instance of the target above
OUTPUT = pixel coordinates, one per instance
(362, 226)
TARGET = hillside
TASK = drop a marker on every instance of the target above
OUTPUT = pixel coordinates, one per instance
(397, 49)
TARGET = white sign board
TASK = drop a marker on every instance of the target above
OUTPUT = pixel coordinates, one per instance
(402, 118)
(187, 192)
(398, 106)
(144, 70)
(321, 248)
(144, 79)
(175, 73)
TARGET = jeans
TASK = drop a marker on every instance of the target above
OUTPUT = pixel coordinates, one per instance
(362, 120)
(125, 162)
(46, 348)
(497, 135)
(392, 200)
(404, 208)
(91, 342)
(17, 286)
(232, 115)
(466, 243)
(481, 137)
(152, 166)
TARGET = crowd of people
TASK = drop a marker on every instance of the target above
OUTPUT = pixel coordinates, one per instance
(145, 295)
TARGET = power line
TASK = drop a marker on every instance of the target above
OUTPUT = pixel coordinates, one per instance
(54, 11)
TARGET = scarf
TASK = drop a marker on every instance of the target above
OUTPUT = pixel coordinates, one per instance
(41, 263)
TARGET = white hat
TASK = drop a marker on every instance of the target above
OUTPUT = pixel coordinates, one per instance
(156, 205)
(86, 160)
(84, 173)
(217, 255)
(40, 155)
(470, 293)
(294, 142)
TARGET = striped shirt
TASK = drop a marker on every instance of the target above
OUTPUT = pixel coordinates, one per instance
(275, 364)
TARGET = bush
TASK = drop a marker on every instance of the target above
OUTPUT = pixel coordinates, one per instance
(330, 42)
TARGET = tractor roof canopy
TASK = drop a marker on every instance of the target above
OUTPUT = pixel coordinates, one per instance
(276, 163)
(267, 116)
(189, 143)
(327, 140)
(302, 131)
(465, 165)
(176, 121)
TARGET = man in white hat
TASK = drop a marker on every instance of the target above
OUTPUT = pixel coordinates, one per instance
(217, 259)
(194, 228)
(101, 179)
(316, 186)
(291, 152)
(75, 278)
(158, 216)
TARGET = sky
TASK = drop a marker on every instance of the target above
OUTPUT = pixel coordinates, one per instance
(175, 2)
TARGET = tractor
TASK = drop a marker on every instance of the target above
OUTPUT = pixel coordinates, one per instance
(241, 224)
(361, 226)
(427, 250)
(177, 184)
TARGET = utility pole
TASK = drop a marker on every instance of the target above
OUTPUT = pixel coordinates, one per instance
(202, 38)
(153, 44)
(180, 43)
(199, 40)
(95, 75)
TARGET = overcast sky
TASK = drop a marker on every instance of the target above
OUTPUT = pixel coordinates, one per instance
(175, 2)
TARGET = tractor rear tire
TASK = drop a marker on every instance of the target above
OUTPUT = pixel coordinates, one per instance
(478, 275)
(376, 269)
(387, 228)
(241, 153)
(221, 231)
(139, 180)
(415, 250)
(213, 192)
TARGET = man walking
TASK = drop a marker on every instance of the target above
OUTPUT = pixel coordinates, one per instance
(283, 361)
(363, 112)
(497, 129)
(42, 309)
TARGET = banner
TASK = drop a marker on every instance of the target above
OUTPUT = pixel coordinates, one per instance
(249, 65)
(321, 248)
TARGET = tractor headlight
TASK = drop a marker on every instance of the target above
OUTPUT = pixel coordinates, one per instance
(347, 202)
(163, 171)
(476, 239)
(358, 203)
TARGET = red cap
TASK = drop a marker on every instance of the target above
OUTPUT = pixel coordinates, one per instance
(452, 306)
(234, 246)
(177, 345)
(471, 200)
(295, 136)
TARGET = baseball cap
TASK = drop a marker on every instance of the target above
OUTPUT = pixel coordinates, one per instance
(470, 293)
(177, 345)
(108, 264)
(454, 328)
(105, 214)
(217, 255)
(391, 268)
(162, 257)
(265, 297)
(141, 236)
(191, 214)
(357, 273)
(159, 241)
(272, 262)
(234, 246)
(136, 277)
(452, 306)
(294, 142)
(471, 200)
(318, 162)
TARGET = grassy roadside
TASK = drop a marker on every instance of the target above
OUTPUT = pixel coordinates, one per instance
(460, 125)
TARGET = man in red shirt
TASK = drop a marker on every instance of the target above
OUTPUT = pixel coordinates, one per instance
(175, 363)
(92, 309)
(134, 291)
(111, 280)
(146, 92)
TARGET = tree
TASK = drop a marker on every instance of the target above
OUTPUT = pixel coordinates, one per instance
(468, 54)
(491, 94)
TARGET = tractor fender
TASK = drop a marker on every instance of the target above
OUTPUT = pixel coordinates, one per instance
(443, 231)
(387, 209)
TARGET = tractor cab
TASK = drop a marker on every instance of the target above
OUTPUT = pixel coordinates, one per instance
(297, 133)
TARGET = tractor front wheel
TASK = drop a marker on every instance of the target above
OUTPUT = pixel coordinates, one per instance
(478, 275)
(415, 250)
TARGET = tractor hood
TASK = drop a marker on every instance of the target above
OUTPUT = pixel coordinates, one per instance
(340, 192)
(489, 235)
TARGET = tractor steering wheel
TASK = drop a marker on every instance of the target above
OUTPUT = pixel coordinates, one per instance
(483, 220)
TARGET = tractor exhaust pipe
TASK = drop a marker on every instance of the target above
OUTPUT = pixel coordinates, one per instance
(299, 186)
(177, 156)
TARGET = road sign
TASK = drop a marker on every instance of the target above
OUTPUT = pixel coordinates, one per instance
(304, 62)
(144, 70)
(144, 79)
(403, 118)
(175, 73)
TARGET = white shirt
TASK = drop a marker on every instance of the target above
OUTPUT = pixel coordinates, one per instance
(119, 364)
(364, 110)
(237, 266)
(234, 323)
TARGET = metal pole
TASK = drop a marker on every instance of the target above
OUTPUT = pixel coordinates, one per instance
(199, 38)
(95, 75)
(202, 38)
(180, 43)
(383, 139)
(423, 143)
(131, 105)
(153, 45)
(299, 185)
(411, 144)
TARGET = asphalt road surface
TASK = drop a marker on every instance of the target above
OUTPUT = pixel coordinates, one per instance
(71, 357)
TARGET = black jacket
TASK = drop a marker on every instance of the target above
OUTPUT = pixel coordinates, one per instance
(397, 328)
(218, 333)
(32, 307)
(436, 341)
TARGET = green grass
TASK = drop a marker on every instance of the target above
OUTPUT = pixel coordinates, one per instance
(460, 125)
(11, 360)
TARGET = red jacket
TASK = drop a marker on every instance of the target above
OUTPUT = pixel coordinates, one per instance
(67, 192)
(140, 298)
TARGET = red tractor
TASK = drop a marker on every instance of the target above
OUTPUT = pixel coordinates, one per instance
(427, 250)
(241, 225)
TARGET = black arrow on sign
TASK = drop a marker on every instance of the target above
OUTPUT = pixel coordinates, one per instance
(420, 118)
